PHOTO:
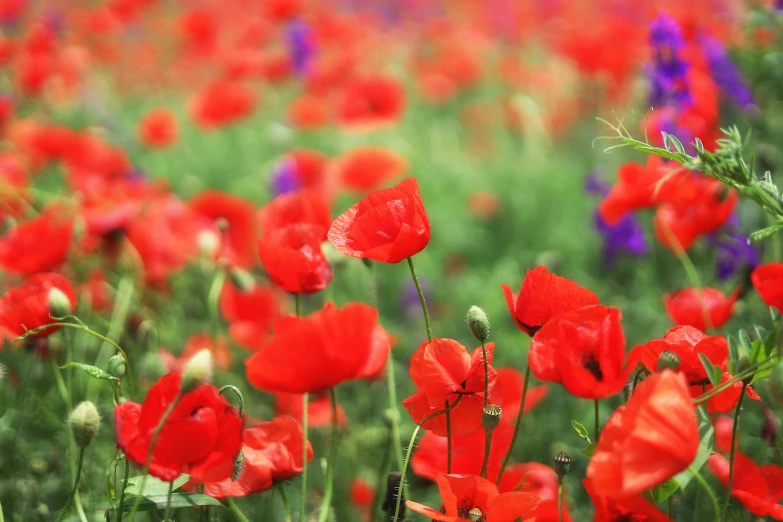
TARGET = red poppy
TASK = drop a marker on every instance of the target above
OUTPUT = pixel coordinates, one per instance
(371, 101)
(465, 496)
(310, 168)
(362, 496)
(221, 103)
(13, 184)
(585, 351)
(293, 258)
(97, 290)
(319, 409)
(442, 370)
(299, 206)
(221, 352)
(758, 488)
(363, 169)
(687, 343)
(201, 437)
(540, 480)
(542, 297)
(308, 112)
(234, 216)
(632, 507)
(27, 306)
(199, 31)
(641, 186)
(702, 309)
(250, 313)
(723, 426)
(647, 441)
(768, 282)
(158, 129)
(38, 245)
(388, 225)
(313, 353)
(512, 384)
(271, 451)
(726, 400)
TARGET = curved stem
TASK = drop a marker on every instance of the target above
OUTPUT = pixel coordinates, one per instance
(286, 507)
(323, 516)
(447, 410)
(487, 433)
(752, 370)
(516, 427)
(731, 455)
(597, 423)
(395, 417)
(168, 501)
(75, 484)
(421, 298)
(706, 487)
(560, 500)
(395, 515)
(235, 512)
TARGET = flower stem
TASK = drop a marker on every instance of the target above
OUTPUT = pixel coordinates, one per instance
(731, 455)
(421, 298)
(597, 422)
(305, 407)
(752, 370)
(448, 436)
(168, 501)
(75, 484)
(706, 487)
(286, 507)
(382, 471)
(122, 493)
(394, 415)
(560, 500)
(395, 515)
(323, 516)
(516, 427)
(235, 512)
(487, 451)
(487, 433)
(669, 506)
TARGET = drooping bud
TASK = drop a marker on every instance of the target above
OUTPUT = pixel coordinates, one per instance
(84, 422)
(668, 360)
(775, 386)
(475, 514)
(239, 464)
(478, 323)
(562, 463)
(394, 488)
(116, 366)
(241, 279)
(208, 243)
(490, 417)
(197, 371)
(59, 304)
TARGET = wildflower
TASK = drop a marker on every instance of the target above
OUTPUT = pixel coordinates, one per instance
(250, 313)
(234, 217)
(631, 507)
(371, 101)
(293, 258)
(38, 245)
(158, 129)
(26, 307)
(687, 343)
(758, 488)
(700, 308)
(767, 279)
(363, 169)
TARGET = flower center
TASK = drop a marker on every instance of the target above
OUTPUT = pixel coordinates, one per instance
(591, 364)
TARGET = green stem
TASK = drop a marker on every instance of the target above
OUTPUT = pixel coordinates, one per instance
(382, 471)
(326, 505)
(305, 431)
(168, 501)
(669, 506)
(286, 507)
(752, 370)
(394, 413)
(395, 515)
(560, 500)
(122, 494)
(516, 427)
(213, 302)
(487, 433)
(487, 451)
(235, 512)
(706, 487)
(596, 421)
(75, 484)
(421, 298)
(731, 455)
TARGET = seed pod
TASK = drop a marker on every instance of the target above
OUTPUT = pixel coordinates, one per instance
(478, 323)
(490, 417)
(562, 463)
(59, 304)
(668, 360)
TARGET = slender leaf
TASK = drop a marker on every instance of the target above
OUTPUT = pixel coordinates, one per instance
(92, 371)
(745, 342)
(663, 491)
(153, 486)
(705, 448)
(764, 233)
(714, 373)
(581, 431)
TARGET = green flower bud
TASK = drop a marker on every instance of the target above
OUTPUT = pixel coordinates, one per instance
(116, 366)
(197, 371)
(84, 422)
(478, 323)
(59, 304)
(491, 417)
(668, 360)
(562, 463)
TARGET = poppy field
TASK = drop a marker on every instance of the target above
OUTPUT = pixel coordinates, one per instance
(325, 260)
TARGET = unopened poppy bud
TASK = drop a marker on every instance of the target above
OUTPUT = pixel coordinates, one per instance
(776, 383)
(491, 417)
(208, 243)
(116, 366)
(241, 279)
(668, 360)
(197, 371)
(84, 422)
(478, 323)
(239, 464)
(59, 304)
(562, 463)
(475, 514)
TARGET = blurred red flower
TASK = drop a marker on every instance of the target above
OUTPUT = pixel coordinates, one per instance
(27, 307)
(362, 496)
(158, 128)
(221, 103)
(462, 494)
(201, 437)
(543, 296)
(630, 507)
(38, 245)
(299, 206)
(363, 169)
(319, 408)
(540, 480)
(218, 347)
(687, 343)
(313, 353)
(647, 441)
(308, 112)
(371, 101)
(388, 225)
(512, 384)
(233, 216)
(758, 488)
(726, 400)
(700, 308)
(198, 30)
(250, 313)
(768, 281)
(292, 257)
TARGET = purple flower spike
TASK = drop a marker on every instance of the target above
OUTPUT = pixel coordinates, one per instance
(668, 87)
(626, 236)
(301, 45)
(284, 178)
(726, 74)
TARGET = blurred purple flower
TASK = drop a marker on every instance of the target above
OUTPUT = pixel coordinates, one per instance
(284, 178)
(301, 45)
(668, 71)
(726, 74)
(733, 253)
(410, 303)
(55, 21)
(596, 184)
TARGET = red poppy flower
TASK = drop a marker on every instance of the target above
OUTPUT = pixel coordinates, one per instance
(199, 31)
(363, 169)
(13, 184)
(201, 437)
(371, 101)
(726, 400)
(758, 488)
(293, 258)
(237, 227)
(723, 426)
(542, 297)
(272, 453)
(680, 225)
(158, 129)
(250, 314)
(221, 352)
(687, 343)
(300, 206)
(647, 441)
(641, 186)
(694, 307)
(388, 225)
(222, 103)
(768, 282)
(310, 169)
(632, 507)
(308, 112)
(443, 369)
(362, 496)
(38, 245)
(319, 409)
(540, 480)
(585, 351)
(465, 495)
(313, 353)
(27, 307)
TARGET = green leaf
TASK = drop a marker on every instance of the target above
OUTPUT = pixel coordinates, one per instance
(589, 450)
(714, 373)
(663, 491)
(761, 333)
(745, 342)
(178, 500)
(733, 355)
(581, 431)
(153, 486)
(764, 233)
(705, 448)
(92, 371)
(677, 144)
(758, 351)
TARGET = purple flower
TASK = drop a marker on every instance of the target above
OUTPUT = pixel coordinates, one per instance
(596, 184)
(301, 45)
(284, 178)
(410, 302)
(625, 236)
(733, 253)
(668, 71)
(726, 74)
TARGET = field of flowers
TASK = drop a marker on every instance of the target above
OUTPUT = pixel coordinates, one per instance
(386, 260)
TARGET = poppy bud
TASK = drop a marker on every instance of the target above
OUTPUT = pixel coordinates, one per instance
(116, 366)
(84, 422)
(562, 463)
(239, 464)
(475, 514)
(776, 383)
(478, 323)
(197, 371)
(491, 417)
(59, 304)
(668, 360)
(394, 488)
(241, 279)
(208, 243)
